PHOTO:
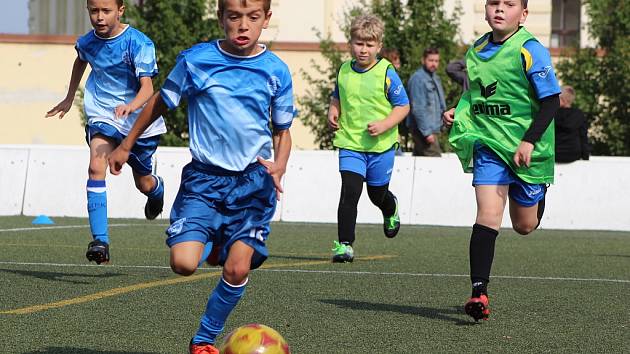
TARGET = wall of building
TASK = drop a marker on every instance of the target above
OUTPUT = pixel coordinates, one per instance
(51, 179)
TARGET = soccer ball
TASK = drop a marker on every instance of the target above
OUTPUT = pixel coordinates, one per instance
(254, 339)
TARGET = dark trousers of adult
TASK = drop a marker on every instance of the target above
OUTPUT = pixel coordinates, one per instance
(422, 148)
(351, 188)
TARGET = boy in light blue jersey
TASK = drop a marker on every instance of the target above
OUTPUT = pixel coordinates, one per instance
(228, 192)
(123, 63)
(366, 106)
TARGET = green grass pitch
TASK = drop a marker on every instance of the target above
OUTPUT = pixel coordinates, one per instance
(552, 291)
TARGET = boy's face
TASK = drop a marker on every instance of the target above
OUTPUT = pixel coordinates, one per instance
(242, 26)
(364, 51)
(431, 62)
(105, 16)
(505, 16)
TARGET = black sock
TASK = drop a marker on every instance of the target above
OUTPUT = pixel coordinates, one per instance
(481, 255)
(541, 208)
(383, 199)
(351, 188)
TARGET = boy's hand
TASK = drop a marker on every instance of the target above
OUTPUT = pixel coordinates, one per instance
(62, 108)
(377, 128)
(333, 121)
(117, 159)
(448, 117)
(276, 173)
(123, 111)
(523, 154)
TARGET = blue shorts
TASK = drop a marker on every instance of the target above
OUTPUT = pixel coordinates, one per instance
(214, 205)
(375, 167)
(489, 169)
(141, 155)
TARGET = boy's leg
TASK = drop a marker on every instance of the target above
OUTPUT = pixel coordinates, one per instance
(490, 205)
(100, 149)
(527, 205)
(226, 294)
(378, 175)
(351, 188)
(141, 162)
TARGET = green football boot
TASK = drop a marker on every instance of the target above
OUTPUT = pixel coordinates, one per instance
(342, 253)
(391, 224)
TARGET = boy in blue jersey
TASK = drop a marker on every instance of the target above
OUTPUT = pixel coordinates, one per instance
(366, 106)
(503, 134)
(228, 192)
(123, 63)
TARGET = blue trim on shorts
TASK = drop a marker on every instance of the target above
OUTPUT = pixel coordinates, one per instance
(141, 154)
(375, 167)
(490, 169)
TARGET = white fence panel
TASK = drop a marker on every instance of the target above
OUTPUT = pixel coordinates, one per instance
(13, 166)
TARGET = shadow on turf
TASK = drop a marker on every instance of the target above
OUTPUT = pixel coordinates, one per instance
(61, 350)
(59, 276)
(303, 258)
(445, 314)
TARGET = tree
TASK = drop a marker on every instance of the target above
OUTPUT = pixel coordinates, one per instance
(601, 76)
(174, 25)
(410, 26)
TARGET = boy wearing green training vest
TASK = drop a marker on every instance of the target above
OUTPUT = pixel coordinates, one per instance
(367, 104)
(502, 131)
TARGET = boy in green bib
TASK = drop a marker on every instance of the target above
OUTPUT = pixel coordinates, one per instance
(502, 131)
(367, 104)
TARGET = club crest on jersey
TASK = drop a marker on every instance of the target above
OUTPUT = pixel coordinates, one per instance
(176, 227)
(126, 57)
(273, 84)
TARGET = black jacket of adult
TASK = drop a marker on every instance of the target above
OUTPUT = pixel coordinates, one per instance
(571, 135)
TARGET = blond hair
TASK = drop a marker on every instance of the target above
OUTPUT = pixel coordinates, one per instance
(266, 5)
(367, 27)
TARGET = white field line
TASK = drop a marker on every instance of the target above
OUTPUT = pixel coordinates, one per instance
(72, 227)
(336, 272)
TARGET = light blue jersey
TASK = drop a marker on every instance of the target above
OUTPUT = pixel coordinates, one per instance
(230, 99)
(536, 62)
(117, 64)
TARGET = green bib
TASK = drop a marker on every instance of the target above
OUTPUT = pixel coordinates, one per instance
(363, 100)
(497, 110)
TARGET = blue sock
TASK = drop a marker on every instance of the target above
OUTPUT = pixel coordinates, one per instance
(97, 209)
(158, 190)
(222, 301)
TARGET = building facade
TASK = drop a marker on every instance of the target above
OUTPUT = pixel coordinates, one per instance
(36, 62)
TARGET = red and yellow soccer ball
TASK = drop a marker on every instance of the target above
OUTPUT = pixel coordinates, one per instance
(254, 339)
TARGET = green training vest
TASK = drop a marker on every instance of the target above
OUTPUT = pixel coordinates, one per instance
(497, 110)
(363, 100)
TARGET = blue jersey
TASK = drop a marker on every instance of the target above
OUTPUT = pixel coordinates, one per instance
(230, 99)
(393, 86)
(117, 64)
(536, 63)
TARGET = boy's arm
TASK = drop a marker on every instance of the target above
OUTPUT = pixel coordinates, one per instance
(396, 116)
(333, 113)
(155, 107)
(78, 68)
(281, 151)
(144, 93)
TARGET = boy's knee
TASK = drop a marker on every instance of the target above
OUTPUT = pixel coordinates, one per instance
(524, 228)
(236, 274)
(184, 268)
(145, 184)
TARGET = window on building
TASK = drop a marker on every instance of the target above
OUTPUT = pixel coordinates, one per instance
(565, 23)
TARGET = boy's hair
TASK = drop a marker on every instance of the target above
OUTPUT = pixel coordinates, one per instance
(568, 94)
(367, 27)
(266, 5)
(120, 3)
(429, 51)
(524, 3)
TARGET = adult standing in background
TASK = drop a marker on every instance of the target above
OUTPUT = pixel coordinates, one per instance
(427, 105)
(571, 129)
